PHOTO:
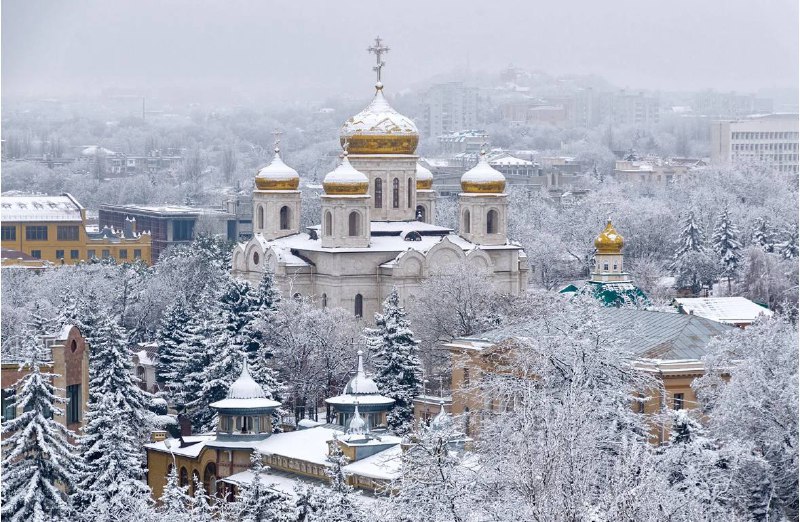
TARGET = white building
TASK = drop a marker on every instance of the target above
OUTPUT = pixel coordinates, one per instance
(377, 227)
(771, 139)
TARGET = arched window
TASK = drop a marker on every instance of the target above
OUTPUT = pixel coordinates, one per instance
(328, 224)
(410, 193)
(378, 193)
(466, 226)
(210, 479)
(359, 306)
(286, 215)
(260, 217)
(353, 222)
(396, 193)
(420, 213)
(491, 222)
(184, 478)
(73, 346)
(256, 258)
(324, 300)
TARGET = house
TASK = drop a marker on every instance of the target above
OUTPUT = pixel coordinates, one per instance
(736, 311)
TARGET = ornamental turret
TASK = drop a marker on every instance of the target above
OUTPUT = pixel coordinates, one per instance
(276, 199)
(345, 207)
(246, 412)
(360, 399)
(426, 196)
(483, 205)
(608, 267)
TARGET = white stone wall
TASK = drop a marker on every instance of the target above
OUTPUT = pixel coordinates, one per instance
(335, 230)
(267, 206)
(387, 167)
(427, 199)
(475, 208)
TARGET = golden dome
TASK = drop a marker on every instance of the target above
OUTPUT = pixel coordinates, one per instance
(345, 180)
(483, 179)
(424, 178)
(379, 129)
(277, 175)
(609, 241)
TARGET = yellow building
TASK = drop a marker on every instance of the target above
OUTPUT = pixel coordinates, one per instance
(53, 228)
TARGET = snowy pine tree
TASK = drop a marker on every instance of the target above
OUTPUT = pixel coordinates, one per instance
(395, 358)
(338, 504)
(308, 503)
(39, 461)
(691, 237)
(789, 247)
(202, 508)
(763, 235)
(259, 502)
(693, 267)
(259, 335)
(175, 499)
(727, 246)
(172, 338)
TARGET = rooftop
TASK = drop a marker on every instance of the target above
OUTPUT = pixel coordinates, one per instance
(33, 208)
(728, 310)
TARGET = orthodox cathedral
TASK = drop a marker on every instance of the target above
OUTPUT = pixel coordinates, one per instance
(377, 226)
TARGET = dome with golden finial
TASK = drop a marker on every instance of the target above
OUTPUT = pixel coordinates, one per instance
(483, 178)
(345, 180)
(379, 129)
(609, 241)
(277, 175)
(424, 178)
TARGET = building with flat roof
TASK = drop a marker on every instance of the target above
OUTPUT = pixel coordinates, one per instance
(770, 139)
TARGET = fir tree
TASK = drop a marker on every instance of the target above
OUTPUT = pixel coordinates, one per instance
(691, 237)
(309, 503)
(395, 357)
(259, 502)
(788, 248)
(726, 244)
(339, 504)
(39, 462)
(764, 236)
(202, 508)
(693, 268)
(116, 423)
(175, 499)
(172, 338)
(259, 335)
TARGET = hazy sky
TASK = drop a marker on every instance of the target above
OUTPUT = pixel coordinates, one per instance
(310, 48)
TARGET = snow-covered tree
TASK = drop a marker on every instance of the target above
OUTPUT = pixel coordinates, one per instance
(172, 338)
(259, 335)
(727, 246)
(692, 266)
(308, 503)
(763, 235)
(339, 504)
(788, 248)
(39, 461)
(175, 499)
(691, 237)
(398, 371)
(203, 510)
(260, 503)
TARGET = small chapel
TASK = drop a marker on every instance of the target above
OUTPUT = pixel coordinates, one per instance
(377, 225)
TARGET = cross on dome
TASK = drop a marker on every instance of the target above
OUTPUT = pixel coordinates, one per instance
(277, 135)
(378, 49)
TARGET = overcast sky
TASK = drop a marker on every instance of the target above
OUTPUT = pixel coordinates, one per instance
(310, 48)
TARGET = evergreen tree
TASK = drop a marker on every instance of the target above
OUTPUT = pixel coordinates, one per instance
(693, 267)
(788, 248)
(726, 244)
(173, 335)
(260, 503)
(764, 236)
(116, 424)
(175, 500)
(202, 508)
(309, 503)
(339, 504)
(39, 461)
(395, 357)
(259, 335)
(691, 237)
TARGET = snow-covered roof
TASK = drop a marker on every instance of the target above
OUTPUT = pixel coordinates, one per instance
(728, 310)
(345, 172)
(360, 384)
(195, 444)
(244, 404)
(482, 173)
(366, 400)
(310, 445)
(31, 208)
(278, 170)
(385, 465)
(378, 118)
(244, 387)
(510, 161)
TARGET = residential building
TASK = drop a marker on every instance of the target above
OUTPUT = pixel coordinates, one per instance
(449, 107)
(464, 141)
(770, 139)
(54, 229)
(655, 171)
(736, 311)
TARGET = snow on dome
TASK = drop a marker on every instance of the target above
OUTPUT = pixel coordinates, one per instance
(345, 180)
(442, 419)
(245, 387)
(424, 178)
(379, 129)
(277, 175)
(609, 241)
(357, 424)
(483, 178)
(361, 384)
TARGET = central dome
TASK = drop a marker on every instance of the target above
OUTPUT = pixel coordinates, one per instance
(609, 241)
(379, 129)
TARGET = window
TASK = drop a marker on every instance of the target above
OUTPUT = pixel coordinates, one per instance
(396, 193)
(410, 193)
(9, 233)
(106, 253)
(467, 223)
(677, 401)
(466, 376)
(605, 267)
(225, 423)
(359, 306)
(59, 254)
(328, 224)
(285, 214)
(324, 300)
(378, 193)
(36, 233)
(210, 479)
(182, 230)
(9, 404)
(137, 253)
(353, 224)
(67, 233)
(256, 258)
(491, 222)
(123, 253)
(184, 478)
(36, 253)
(73, 403)
(91, 254)
(74, 254)
(420, 213)
(260, 218)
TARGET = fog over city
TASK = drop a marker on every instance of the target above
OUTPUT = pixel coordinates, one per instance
(312, 49)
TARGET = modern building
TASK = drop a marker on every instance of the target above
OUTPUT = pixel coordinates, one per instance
(655, 171)
(170, 224)
(54, 229)
(377, 214)
(770, 139)
(449, 107)
(67, 357)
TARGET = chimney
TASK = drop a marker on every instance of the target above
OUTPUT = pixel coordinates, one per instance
(185, 425)
(158, 435)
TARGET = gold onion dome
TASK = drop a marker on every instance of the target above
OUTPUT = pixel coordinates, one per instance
(379, 129)
(345, 180)
(424, 178)
(483, 178)
(277, 175)
(609, 241)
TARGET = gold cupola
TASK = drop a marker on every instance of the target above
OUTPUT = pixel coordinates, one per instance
(483, 178)
(277, 175)
(609, 241)
(379, 129)
(345, 180)
(424, 178)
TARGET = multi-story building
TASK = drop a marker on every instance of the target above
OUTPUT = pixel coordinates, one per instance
(655, 170)
(170, 225)
(53, 228)
(449, 107)
(770, 139)
(464, 141)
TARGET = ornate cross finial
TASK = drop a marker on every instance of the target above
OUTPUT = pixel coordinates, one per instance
(379, 50)
(345, 146)
(277, 135)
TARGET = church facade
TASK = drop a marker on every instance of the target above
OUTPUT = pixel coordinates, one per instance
(377, 227)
